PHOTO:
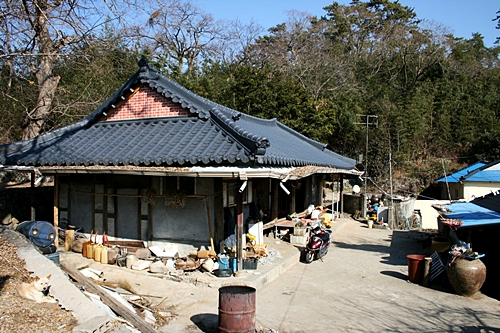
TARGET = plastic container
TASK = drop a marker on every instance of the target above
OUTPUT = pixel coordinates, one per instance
(416, 264)
(233, 264)
(97, 253)
(223, 262)
(112, 253)
(250, 263)
(130, 260)
(223, 272)
(54, 257)
(104, 255)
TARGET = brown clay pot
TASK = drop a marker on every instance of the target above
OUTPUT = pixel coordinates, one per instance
(466, 276)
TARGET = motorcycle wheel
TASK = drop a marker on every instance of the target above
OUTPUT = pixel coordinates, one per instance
(309, 257)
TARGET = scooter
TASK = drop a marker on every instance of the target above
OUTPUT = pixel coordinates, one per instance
(318, 244)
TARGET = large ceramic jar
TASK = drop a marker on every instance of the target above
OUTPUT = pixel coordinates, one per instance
(466, 276)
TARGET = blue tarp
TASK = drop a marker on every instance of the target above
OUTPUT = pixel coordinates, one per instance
(472, 215)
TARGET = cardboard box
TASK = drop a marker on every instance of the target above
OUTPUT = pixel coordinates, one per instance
(260, 249)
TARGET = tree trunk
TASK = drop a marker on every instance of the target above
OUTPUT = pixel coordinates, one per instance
(34, 120)
(47, 82)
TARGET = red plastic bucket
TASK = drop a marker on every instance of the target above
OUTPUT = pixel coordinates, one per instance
(416, 264)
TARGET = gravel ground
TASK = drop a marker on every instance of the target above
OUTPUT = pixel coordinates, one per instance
(18, 314)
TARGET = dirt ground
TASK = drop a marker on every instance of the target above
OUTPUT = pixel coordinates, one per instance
(18, 314)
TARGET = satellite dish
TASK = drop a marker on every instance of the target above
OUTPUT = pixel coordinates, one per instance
(356, 189)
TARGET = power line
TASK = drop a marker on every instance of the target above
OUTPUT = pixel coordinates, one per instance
(371, 120)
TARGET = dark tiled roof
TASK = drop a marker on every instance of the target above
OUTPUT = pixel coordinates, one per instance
(214, 135)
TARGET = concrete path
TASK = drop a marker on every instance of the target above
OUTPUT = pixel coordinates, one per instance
(362, 286)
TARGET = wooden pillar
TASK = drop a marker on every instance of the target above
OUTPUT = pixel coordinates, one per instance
(293, 206)
(321, 192)
(275, 193)
(218, 213)
(341, 195)
(56, 209)
(32, 196)
(105, 207)
(150, 225)
(239, 229)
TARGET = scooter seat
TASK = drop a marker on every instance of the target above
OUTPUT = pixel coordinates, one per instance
(324, 236)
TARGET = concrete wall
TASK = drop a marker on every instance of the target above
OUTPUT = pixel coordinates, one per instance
(119, 205)
(429, 214)
(477, 189)
(353, 202)
(456, 191)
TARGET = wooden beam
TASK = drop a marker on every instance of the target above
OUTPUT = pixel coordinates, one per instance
(341, 194)
(209, 221)
(239, 229)
(218, 214)
(275, 192)
(276, 220)
(107, 299)
(32, 196)
(56, 210)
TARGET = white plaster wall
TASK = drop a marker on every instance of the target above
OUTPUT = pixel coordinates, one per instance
(478, 189)
(429, 214)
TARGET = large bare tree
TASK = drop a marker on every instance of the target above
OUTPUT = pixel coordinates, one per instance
(35, 35)
(178, 33)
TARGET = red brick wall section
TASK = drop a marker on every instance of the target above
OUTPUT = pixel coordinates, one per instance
(147, 103)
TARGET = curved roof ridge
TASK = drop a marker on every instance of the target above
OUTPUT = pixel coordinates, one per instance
(257, 144)
(314, 143)
(274, 122)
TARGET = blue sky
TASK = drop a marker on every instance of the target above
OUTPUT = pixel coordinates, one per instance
(462, 17)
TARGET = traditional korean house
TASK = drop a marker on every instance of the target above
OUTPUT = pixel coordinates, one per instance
(158, 163)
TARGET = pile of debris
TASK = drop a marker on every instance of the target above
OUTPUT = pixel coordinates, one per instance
(134, 255)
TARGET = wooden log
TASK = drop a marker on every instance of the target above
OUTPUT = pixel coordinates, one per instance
(115, 305)
(427, 274)
(68, 239)
(56, 210)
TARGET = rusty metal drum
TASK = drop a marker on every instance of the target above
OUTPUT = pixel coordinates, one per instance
(237, 309)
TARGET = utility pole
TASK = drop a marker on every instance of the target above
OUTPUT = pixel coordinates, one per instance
(371, 120)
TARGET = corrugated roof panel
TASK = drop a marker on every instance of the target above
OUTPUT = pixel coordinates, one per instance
(472, 215)
(488, 176)
(455, 177)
